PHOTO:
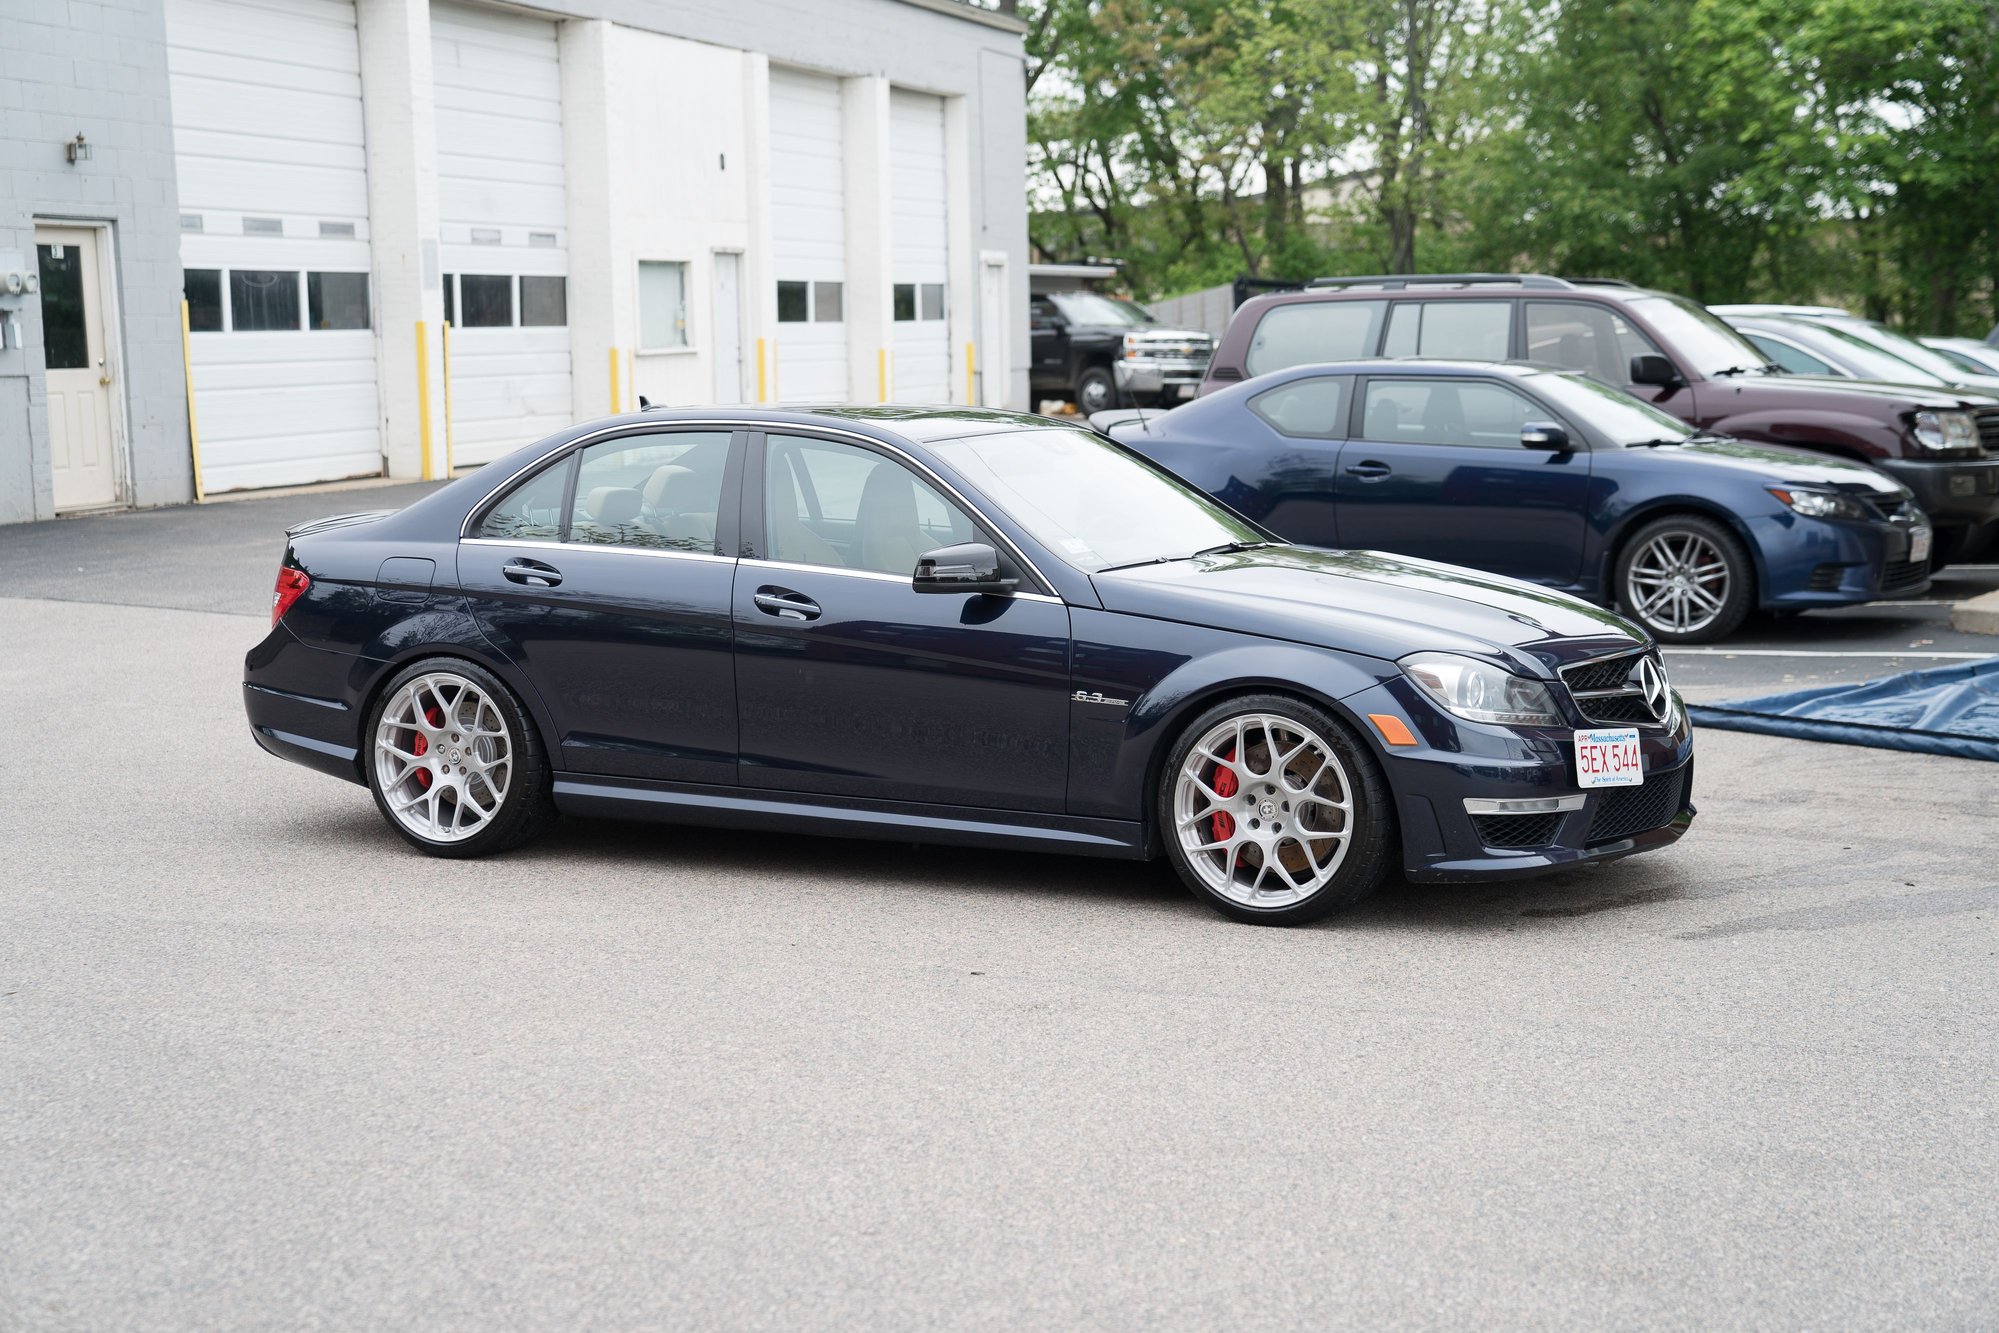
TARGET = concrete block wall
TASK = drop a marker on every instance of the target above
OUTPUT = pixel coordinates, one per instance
(100, 67)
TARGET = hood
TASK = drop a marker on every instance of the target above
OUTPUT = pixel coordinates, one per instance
(1819, 387)
(1383, 606)
(1780, 463)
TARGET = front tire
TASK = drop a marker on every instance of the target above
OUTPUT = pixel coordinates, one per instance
(1687, 579)
(1096, 391)
(1274, 813)
(455, 762)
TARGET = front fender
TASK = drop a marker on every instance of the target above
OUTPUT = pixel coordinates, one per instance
(1640, 514)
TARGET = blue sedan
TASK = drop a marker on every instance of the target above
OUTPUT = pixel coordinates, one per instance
(1546, 476)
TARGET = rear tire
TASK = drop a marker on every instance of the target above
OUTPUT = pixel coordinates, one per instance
(1273, 812)
(455, 763)
(1686, 578)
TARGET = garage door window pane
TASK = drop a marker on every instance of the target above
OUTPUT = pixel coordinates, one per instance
(488, 300)
(933, 300)
(544, 302)
(905, 301)
(792, 302)
(662, 305)
(203, 289)
(451, 298)
(261, 301)
(337, 300)
(826, 304)
(1295, 335)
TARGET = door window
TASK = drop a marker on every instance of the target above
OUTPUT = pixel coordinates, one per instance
(1314, 408)
(1299, 334)
(1451, 330)
(1454, 412)
(65, 330)
(1576, 335)
(658, 492)
(1794, 359)
(844, 507)
(532, 511)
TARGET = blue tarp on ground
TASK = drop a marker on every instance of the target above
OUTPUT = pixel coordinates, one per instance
(1950, 710)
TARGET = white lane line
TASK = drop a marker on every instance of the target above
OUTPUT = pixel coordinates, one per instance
(1819, 652)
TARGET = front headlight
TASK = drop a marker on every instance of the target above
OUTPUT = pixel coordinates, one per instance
(1946, 430)
(1820, 504)
(1478, 692)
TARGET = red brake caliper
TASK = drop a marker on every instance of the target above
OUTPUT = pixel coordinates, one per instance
(1222, 825)
(435, 717)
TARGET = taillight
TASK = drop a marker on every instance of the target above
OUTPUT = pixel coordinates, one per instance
(292, 584)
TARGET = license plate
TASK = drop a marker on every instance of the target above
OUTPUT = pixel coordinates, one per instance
(1609, 758)
(1919, 545)
(1186, 391)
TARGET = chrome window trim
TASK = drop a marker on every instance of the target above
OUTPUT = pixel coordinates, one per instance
(595, 546)
(880, 577)
(765, 428)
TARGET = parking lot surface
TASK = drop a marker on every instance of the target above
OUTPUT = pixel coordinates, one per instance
(262, 1065)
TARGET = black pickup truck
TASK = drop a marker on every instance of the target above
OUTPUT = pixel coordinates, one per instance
(1100, 352)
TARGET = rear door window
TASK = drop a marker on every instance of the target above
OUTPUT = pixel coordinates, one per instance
(1451, 330)
(1314, 408)
(660, 492)
(1452, 412)
(1305, 332)
(1578, 335)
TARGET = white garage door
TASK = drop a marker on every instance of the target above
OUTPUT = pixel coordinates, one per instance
(808, 237)
(274, 238)
(503, 227)
(920, 240)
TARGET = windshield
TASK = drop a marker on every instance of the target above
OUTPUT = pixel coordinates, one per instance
(1088, 499)
(1614, 412)
(1873, 362)
(1701, 339)
(1090, 308)
(1903, 349)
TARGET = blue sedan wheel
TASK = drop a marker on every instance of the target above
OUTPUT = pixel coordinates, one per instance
(1275, 814)
(1686, 578)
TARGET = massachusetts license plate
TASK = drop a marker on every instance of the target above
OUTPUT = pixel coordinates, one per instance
(1609, 758)
(1919, 545)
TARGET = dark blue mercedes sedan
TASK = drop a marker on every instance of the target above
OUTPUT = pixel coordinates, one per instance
(952, 625)
(1547, 476)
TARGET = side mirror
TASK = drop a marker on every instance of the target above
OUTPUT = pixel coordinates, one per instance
(1546, 435)
(966, 567)
(1651, 368)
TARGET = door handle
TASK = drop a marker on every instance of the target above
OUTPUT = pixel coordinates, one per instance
(1371, 470)
(103, 372)
(531, 572)
(785, 604)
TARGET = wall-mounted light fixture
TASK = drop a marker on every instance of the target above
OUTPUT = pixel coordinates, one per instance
(78, 149)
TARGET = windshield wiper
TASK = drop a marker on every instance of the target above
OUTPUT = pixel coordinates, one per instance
(1742, 370)
(1226, 548)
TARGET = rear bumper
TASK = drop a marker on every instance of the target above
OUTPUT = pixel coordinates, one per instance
(303, 703)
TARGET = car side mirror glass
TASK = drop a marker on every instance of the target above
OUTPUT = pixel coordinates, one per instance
(1546, 435)
(1652, 368)
(966, 567)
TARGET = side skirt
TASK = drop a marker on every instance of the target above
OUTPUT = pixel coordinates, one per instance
(889, 821)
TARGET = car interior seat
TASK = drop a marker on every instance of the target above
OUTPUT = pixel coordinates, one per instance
(887, 535)
(612, 507)
(1444, 414)
(672, 498)
(788, 537)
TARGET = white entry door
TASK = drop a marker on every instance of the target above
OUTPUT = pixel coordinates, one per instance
(728, 327)
(83, 453)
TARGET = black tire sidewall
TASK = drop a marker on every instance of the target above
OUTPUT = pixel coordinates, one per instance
(1370, 855)
(1735, 608)
(1093, 374)
(528, 805)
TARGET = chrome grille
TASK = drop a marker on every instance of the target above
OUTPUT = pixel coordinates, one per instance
(1605, 694)
(1988, 428)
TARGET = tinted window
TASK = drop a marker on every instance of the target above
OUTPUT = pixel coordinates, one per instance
(65, 334)
(1297, 335)
(659, 492)
(451, 298)
(532, 511)
(791, 303)
(1452, 330)
(336, 300)
(262, 301)
(544, 301)
(905, 301)
(1311, 407)
(203, 289)
(488, 300)
(1576, 335)
(1796, 361)
(845, 507)
(1445, 412)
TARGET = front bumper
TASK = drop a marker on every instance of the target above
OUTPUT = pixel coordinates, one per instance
(1443, 843)
(1808, 562)
(1152, 375)
(1961, 498)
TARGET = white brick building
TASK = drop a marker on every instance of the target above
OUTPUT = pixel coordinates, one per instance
(413, 234)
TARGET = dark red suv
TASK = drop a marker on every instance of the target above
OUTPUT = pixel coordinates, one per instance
(1942, 443)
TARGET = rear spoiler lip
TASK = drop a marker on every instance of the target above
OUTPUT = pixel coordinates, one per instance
(1102, 422)
(332, 521)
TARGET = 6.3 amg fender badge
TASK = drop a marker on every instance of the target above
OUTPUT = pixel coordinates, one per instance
(1096, 697)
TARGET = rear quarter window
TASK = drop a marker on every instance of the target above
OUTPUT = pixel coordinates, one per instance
(1307, 331)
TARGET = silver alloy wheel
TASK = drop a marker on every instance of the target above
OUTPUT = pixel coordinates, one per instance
(442, 758)
(1263, 809)
(1678, 581)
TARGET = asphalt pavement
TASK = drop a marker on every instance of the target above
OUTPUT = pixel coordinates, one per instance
(263, 1066)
